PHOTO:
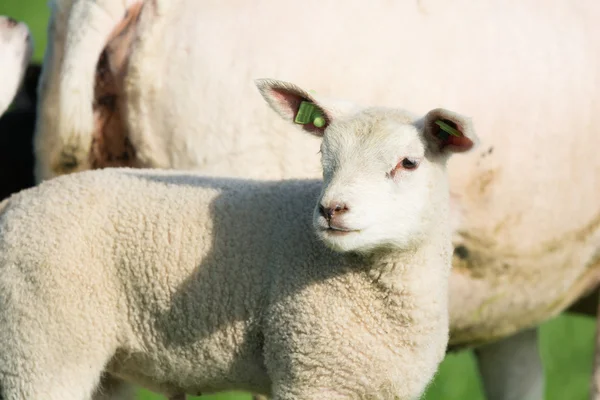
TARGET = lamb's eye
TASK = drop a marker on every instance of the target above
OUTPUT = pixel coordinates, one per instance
(406, 164)
(409, 163)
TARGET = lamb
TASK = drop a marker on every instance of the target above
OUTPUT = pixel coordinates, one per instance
(191, 284)
(185, 105)
(501, 244)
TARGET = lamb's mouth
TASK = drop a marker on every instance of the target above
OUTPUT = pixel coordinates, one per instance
(337, 231)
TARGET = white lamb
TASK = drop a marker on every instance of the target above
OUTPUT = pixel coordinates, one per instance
(527, 234)
(16, 48)
(190, 284)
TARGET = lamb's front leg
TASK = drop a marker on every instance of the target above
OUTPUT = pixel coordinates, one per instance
(512, 369)
(310, 392)
(112, 388)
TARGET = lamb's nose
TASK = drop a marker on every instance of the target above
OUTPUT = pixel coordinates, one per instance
(335, 209)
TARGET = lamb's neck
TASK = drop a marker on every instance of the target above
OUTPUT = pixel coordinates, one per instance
(422, 269)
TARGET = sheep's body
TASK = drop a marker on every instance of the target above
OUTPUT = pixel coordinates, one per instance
(190, 284)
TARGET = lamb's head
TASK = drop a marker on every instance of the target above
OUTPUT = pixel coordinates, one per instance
(15, 52)
(384, 170)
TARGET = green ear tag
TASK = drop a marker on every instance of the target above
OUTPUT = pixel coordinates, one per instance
(448, 129)
(319, 122)
(310, 113)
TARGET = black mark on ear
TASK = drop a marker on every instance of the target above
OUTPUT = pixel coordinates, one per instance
(487, 152)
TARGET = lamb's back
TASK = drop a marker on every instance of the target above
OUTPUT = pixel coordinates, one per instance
(178, 267)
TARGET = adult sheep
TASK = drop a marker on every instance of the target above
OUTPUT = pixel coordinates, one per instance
(151, 276)
(528, 246)
(16, 48)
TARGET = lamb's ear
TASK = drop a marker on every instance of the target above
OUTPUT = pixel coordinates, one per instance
(448, 131)
(295, 105)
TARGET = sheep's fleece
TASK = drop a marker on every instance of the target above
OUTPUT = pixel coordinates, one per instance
(189, 284)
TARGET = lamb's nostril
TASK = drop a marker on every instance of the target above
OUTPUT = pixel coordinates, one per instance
(340, 208)
(325, 212)
(329, 212)
(11, 22)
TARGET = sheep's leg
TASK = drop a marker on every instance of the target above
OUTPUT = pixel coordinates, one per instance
(46, 133)
(77, 32)
(48, 381)
(512, 369)
(595, 389)
(112, 388)
(110, 145)
(90, 23)
(49, 365)
(312, 394)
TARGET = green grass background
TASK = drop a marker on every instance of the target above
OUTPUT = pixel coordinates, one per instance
(566, 342)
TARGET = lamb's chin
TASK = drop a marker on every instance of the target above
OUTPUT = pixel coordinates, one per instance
(342, 241)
